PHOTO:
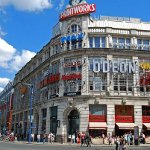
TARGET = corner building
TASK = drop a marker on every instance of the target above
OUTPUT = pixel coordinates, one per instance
(93, 75)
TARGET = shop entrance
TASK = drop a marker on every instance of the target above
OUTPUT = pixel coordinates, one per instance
(73, 124)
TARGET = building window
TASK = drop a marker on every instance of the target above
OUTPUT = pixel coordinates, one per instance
(121, 43)
(143, 44)
(97, 42)
(97, 109)
(122, 81)
(97, 80)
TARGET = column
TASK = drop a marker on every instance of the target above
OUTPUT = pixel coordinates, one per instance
(85, 75)
(109, 77)
(48, 121)
(40, 122)
(136, 76)
(111, 119)
(138, 116)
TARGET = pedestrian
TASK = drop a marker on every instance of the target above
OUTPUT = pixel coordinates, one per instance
(143, 138)
(109, 139)
(82, 139)
(117, 143)
(103, 136)
(44, 138)
(38, 138)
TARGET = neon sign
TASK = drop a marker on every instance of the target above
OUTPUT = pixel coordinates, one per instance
(74, 37)
(77, 10)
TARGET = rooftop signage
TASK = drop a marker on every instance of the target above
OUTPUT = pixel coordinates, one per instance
(80, 9)
(114, 66)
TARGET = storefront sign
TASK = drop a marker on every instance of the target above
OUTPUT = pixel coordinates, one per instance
(72, 64)
(72, 93)
(114, 66)
(73, 37)
(49, 79)
(97, 118)
(145, 65)
(146, 119)
(71, 76)
(124, 119)
(77, 10)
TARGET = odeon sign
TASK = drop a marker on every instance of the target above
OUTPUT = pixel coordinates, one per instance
(114, 66)
(77, 10)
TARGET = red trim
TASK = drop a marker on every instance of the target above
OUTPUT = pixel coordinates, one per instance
(124, 119)
(72, 76)
(146, 119)
(97, 118)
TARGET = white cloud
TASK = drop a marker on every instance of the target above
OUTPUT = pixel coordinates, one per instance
(19, 61)
(61, 4)
(12, 59)
(2, 33)
(4, 82)
(6, 53)
(27, 5)
(1, 89)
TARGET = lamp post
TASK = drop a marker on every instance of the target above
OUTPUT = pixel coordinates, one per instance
(30, 109)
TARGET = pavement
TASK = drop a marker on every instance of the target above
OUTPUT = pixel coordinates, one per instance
(77, 145)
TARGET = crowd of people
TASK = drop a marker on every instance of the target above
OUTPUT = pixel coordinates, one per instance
(84, 138)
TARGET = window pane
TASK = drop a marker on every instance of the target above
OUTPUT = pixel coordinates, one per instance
(97, 42)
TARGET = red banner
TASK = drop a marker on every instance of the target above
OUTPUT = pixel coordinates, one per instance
(78, 10)
(97, 118)
(146, 119)
(124, 119)
(71, 76)
(50, 79)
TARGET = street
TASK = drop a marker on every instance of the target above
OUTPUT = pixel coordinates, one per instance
(22, 146)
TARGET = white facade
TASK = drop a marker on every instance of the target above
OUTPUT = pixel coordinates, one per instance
(63, 76)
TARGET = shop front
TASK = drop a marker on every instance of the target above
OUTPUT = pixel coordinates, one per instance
(146, 122)
(97, 120)
(124, 118)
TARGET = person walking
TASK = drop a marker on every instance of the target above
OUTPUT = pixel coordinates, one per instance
(44, 138)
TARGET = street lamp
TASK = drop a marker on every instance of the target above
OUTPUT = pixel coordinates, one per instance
(30, 109)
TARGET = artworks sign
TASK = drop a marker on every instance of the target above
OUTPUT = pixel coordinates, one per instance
(50, 79)
(77, 10)
(114, 66)
(71, 76)
(72, 64)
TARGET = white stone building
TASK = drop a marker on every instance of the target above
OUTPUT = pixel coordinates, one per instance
(92, 76)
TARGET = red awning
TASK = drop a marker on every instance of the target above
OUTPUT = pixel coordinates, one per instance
(97, 125)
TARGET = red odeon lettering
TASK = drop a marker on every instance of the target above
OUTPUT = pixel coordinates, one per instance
(77, 10)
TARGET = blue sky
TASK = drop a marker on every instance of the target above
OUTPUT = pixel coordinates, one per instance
(26, 26)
